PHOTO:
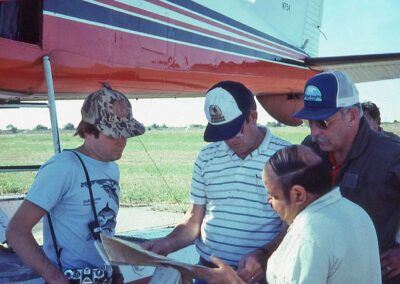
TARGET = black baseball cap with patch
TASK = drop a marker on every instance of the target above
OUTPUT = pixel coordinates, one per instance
(226, 106)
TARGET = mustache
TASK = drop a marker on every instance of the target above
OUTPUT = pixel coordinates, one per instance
(318, 139)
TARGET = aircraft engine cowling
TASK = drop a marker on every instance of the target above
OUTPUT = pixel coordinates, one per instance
(282, 106)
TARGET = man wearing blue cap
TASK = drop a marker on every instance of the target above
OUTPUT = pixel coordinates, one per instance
(364, 163)
(230, 217)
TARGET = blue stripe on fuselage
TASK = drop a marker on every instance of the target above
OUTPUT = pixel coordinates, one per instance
(102, 15)
(200, 9)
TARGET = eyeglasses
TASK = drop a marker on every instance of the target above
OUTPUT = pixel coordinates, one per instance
(241, 132)
(321, 124)
(324, 124)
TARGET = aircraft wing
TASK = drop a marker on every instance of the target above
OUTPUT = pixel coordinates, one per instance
(361, 68)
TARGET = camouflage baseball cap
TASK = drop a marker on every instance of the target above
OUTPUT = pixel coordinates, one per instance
(111, 113)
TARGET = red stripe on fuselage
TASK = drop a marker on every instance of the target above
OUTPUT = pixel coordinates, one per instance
(169, 21)
(83, 56)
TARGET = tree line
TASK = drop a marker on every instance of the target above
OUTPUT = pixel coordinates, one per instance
(13, 129)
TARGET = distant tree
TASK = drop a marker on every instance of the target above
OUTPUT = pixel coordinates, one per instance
(164, 126)
(196, 126)
(69, 126)
(12, 128)
(155, 126)
(395, 121)
(40, 127)
(274, 124)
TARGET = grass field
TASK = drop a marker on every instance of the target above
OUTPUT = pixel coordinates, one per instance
(164, 182)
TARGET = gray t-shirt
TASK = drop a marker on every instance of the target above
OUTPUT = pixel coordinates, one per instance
(60, 188)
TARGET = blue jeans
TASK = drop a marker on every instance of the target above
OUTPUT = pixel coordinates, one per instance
(206, 263)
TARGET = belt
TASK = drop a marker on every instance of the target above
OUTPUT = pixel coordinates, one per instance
(206, 263)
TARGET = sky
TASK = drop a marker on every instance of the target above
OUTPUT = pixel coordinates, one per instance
(350, 26)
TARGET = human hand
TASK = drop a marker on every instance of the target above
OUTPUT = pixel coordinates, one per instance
(390, 262)
(59, 278)
(160, 246)
(222, 274)
(251, 267)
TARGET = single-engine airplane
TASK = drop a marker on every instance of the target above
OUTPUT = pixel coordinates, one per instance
(170, 48)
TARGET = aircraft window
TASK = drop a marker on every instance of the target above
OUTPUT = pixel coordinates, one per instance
(21, 20)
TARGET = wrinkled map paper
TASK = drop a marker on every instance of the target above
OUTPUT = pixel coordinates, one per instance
(128, 253)
(3, 225)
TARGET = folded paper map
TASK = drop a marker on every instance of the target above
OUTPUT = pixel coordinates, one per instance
(122, 252)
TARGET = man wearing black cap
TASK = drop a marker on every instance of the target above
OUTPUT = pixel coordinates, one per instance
(79, 204)
(364, 164)
(230, 217)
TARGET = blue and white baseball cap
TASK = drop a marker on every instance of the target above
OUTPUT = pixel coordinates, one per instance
(226, 107)
(325, 94)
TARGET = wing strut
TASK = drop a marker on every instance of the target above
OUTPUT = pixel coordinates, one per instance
(11, 204)
(52, 104)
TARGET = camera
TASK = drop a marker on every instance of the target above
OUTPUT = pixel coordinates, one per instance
(87, 275)
(95, 230)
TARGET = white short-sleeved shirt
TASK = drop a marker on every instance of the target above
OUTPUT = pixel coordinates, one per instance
(61, 188)
(332, 240)
(238, 218)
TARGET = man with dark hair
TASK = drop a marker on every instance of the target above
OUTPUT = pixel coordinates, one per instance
(373, 116)
(364, 163)
(230, 217)
(329, 240)
(78, 204)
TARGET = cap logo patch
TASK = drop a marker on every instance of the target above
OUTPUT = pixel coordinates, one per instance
(111, 113)
(120, 109)
(216, 114)
(313, 94)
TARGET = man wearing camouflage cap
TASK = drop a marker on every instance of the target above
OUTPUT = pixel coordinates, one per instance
(62, 189)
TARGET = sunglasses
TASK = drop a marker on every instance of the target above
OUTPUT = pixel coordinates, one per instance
(324, 123)
(321, 124)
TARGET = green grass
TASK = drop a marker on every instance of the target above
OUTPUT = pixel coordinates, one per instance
(142, 181)
(293, 134)
(392, 127)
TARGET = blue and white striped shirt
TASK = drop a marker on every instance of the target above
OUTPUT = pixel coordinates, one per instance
(238, 218)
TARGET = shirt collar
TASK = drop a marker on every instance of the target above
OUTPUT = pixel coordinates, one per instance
(263, 147)
(327, 199)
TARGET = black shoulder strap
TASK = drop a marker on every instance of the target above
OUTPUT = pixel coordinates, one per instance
(95, 229)
(53, 236)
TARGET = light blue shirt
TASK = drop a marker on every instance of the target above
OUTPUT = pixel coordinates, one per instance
(61, 188)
